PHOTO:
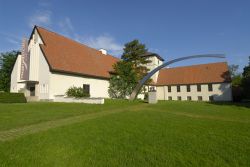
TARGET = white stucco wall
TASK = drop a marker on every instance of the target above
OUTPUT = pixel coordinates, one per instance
(155, 62)
(39, 68)
(221, 92)
(35, 52)
(15, 76)
(43, 77)
(60, 83)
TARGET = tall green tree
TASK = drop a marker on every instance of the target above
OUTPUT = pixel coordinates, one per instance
(233, 69)
(133, 52)
(129, 71)
(246, 80)
(235, 75)
(124, 80)
(7, 61)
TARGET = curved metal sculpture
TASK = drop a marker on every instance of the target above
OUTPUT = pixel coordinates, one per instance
(151, 73)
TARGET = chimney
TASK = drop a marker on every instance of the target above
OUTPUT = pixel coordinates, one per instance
(103, 51)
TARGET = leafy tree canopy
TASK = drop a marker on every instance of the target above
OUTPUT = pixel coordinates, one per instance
(129, 71)
(7, 61)
(235, 75)
(233, 69)
(246, 80)
(122, 84)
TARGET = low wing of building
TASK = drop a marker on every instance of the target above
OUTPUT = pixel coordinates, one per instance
(204, 82)
(53, 63)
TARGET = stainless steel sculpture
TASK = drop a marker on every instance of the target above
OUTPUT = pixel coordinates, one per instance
(151, 73)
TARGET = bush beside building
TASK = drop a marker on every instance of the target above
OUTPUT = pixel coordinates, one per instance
(12, 98)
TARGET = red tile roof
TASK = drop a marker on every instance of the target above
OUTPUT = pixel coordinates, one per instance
(69, 56)
(203, 73)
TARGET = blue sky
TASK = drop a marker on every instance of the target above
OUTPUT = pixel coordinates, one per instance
(170, 28)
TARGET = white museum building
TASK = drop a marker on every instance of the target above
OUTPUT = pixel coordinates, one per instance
(50, 64)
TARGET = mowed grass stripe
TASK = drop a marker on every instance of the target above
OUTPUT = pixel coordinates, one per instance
(17, 132)
(190, 115)
(207, 117)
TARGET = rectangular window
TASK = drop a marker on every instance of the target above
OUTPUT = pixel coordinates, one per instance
(152, 89)
(199, 98)
(86, 88)
(169, 88)
(211, 98)
(178, 97)
(169, 97)
(188, 88)
(198, 88)
(178, 88)
(189, 98)
(210, 87)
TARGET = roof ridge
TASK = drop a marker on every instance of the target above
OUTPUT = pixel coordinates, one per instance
(195, 65)
(36, 26)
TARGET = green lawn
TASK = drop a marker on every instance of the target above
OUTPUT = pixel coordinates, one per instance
(122, 133)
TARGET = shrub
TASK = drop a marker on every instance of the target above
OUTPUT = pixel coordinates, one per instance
(238, 93)
(76, 92)
(12, 98)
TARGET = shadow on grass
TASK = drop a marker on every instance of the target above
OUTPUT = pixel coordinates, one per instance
(238, 104)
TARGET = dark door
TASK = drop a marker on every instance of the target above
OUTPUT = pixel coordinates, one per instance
(32, 91)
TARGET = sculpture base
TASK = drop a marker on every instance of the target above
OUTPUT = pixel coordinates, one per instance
(152, 98)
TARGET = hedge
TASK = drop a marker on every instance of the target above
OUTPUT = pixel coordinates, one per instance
(12, 98)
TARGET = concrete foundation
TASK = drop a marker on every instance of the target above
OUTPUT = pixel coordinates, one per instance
(152, 97)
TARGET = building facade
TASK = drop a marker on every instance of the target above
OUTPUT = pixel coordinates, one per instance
(55, 63)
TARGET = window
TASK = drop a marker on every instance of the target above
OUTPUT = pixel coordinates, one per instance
(211, 98)
(169, 88)
(198, 88)
(189, 98)
(152, 89)
(169, 97)
(199, 98)
(188, 88)
(86, 88)
(178, 88)
(178, 97)
(210, 87)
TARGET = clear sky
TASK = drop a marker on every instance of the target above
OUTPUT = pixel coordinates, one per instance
(170, 28)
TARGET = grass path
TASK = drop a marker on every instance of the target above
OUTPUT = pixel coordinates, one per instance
(30, 129)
